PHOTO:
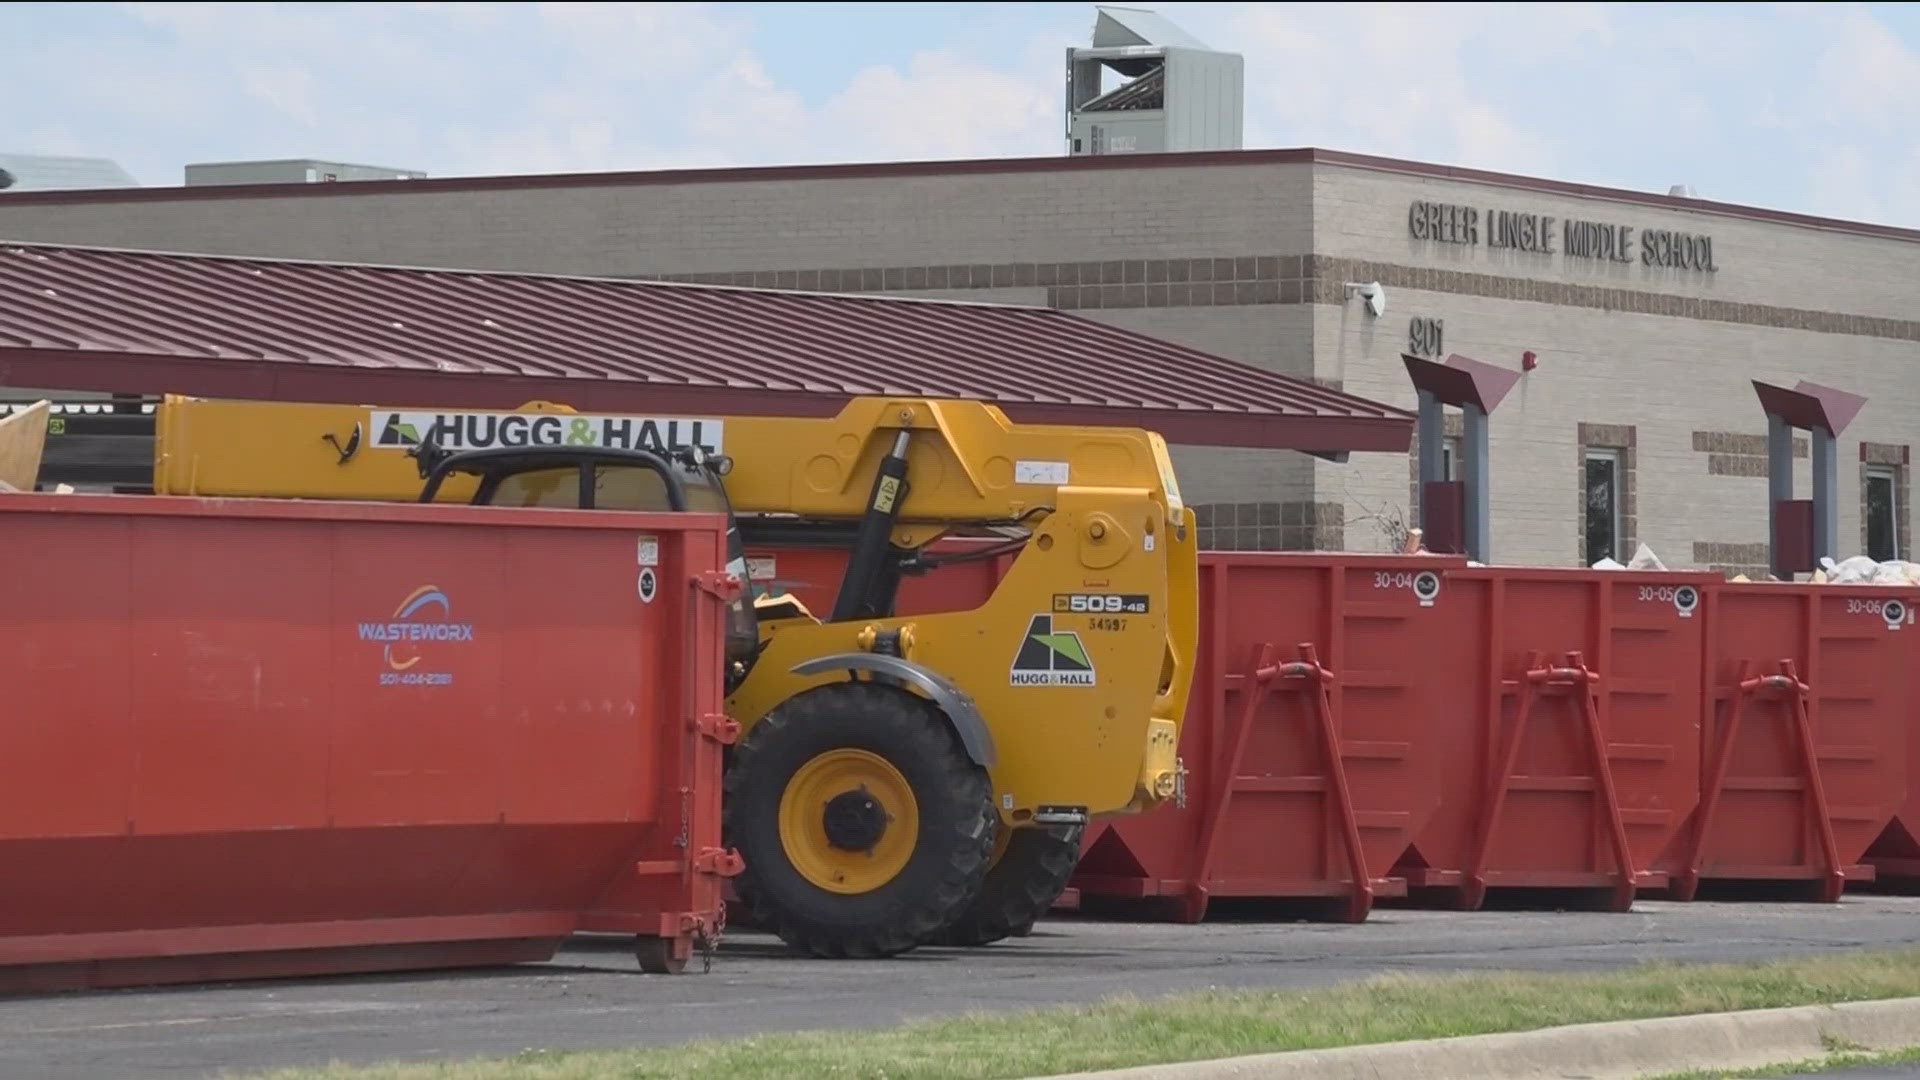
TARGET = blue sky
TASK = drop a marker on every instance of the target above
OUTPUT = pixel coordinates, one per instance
(1798, 107)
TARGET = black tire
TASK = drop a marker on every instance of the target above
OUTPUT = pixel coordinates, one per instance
(1020, 888)
(954, 798)
(656, 956)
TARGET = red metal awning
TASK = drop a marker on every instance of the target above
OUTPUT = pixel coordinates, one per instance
(96, 319)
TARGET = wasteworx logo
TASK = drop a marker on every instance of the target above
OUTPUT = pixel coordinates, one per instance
(1051, 658)
(415, 622)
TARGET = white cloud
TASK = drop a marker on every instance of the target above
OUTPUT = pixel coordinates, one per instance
(1401, 79)
(650, 43)
(287, 89)
(1855, 131)
(1868, 76)
(740, 107)
(1803, 107)
(944, 106)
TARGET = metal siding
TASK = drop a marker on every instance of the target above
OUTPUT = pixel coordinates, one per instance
(76, 317)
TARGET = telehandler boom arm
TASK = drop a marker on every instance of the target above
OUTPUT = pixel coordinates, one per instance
(967, 467)
(969, 464)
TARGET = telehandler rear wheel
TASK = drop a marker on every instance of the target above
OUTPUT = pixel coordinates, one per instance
(1032, 871)
(863, 825)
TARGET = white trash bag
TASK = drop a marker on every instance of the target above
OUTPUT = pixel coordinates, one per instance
(1896, 572)
(1645, 559)
(1858, 570)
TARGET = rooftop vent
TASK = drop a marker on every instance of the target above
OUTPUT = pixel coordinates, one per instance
(1175, 93)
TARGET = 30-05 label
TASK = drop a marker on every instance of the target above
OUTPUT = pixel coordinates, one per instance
(1100, 603)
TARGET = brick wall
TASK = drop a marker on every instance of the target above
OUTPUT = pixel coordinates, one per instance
(1771, 274)
(1272, 526)
(1731, 559)
(1668, 378)
(1732, 453)
(1670, 352)
(1249, 262)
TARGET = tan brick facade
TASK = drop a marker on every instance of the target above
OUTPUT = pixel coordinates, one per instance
(1248, 257)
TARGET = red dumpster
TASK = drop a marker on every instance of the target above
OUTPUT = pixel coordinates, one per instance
(261, 739)
(1570, 747)
(1309, 739)
(1805, 733)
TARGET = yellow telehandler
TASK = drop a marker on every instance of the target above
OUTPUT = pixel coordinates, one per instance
(898, 781)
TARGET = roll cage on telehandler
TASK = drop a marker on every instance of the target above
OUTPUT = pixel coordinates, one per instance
(606, 478)
(900, 779)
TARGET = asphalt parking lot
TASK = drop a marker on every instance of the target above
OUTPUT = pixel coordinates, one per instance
(592, 996)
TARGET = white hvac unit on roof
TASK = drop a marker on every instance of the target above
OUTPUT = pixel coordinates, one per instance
(41, 172)
(291, 171)
(1174, 93)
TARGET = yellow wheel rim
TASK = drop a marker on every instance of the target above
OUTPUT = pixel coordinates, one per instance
(848, 821)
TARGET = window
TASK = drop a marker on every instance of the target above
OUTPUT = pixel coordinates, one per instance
(1450, 458)
(555, 488)
(1604, 473)
(1881, 509)
(624, 487)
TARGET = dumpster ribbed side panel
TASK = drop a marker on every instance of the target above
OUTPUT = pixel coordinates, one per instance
(1575, 735)
(1895, 855)
(258, 739)
(1805, 732)
(1294, 647)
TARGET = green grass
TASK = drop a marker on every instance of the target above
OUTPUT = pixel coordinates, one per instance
(1123, 1032)
(1830, 1063)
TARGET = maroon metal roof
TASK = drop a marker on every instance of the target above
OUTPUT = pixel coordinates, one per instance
(136, 322)
(1810, 405)
(1461, 380)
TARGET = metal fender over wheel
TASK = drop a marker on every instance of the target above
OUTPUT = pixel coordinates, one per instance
(863, 824)
(1032, 871)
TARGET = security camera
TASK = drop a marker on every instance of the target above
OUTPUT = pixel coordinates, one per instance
(1372, 293)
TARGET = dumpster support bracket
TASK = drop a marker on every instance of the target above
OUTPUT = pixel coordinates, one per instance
(1539, 682)
(720, 862)
(1305, 675)
(718, 727)
(1786, 683)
